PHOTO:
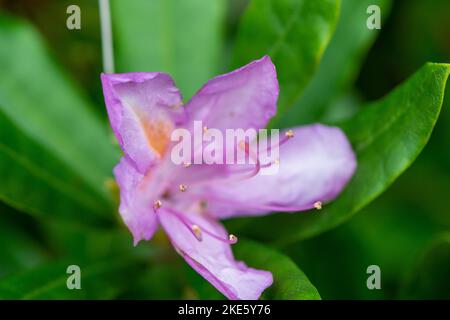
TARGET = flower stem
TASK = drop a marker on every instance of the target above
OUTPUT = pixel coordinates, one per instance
(106, 32)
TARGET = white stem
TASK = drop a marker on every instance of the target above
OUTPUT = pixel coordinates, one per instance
(107, 42)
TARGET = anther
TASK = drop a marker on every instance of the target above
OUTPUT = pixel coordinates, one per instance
(289, 134)
(318, 205)
(277, 161)
(205, 129)
(157, 204)
(197, 232)
(232, 238)
(182, 187)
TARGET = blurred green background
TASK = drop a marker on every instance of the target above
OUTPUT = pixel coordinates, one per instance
(406, 231)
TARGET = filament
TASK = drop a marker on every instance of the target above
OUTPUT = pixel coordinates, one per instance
(197, 230)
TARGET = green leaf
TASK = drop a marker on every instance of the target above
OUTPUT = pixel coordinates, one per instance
(33, 180)
(43, 104)
(431, 279)
(82, 242)
(180, 37)
(340, 63)
(294, 33)
(99, 280)
(387, 136)
(157, 282)
(19, 249)
(290, 283)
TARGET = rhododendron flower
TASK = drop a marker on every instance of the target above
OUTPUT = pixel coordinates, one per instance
(188, 200)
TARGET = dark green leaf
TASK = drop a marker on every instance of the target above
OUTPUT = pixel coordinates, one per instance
(81, 242)
(340, 63)
(19, 249)
(33, 180)
(431, 278)
(99, 280)
(42, 104)
(158, 281)
(294, 33)
(180, 37)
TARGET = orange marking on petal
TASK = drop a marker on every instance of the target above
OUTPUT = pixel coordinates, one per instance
(157, 132)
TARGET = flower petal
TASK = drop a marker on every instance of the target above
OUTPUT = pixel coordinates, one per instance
(244, 98)
(315, 165)
(212, 258)
(135, 210)
(143, 110)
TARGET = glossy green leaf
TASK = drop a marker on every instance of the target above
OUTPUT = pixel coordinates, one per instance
(431, 278)
(340, 63)
(99, 280)
(33, 180)
(19, 249)
(180, 37)
(290, 283)
(44, 105)
(387, 136)
(82, 242)
(294, 33)
(158, 282)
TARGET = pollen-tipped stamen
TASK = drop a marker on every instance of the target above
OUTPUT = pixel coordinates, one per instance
(288, 135)
(198, 230)
(232, 238)
(157, 204)
(318, 205)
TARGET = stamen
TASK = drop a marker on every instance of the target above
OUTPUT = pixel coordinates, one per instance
(248, 172)
(267, 207)
(197, 232)
(156, 205)
(289, 134)
(205, 129)
(318, 205)
(253, 172)
(182, 187)
(232, 238)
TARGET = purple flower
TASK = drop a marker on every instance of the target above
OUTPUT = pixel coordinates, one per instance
(188, 200)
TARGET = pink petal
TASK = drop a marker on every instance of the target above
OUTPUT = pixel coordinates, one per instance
(315, 165)
(213, 259)
(143, 110)
(244, 98)
(136, 211)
